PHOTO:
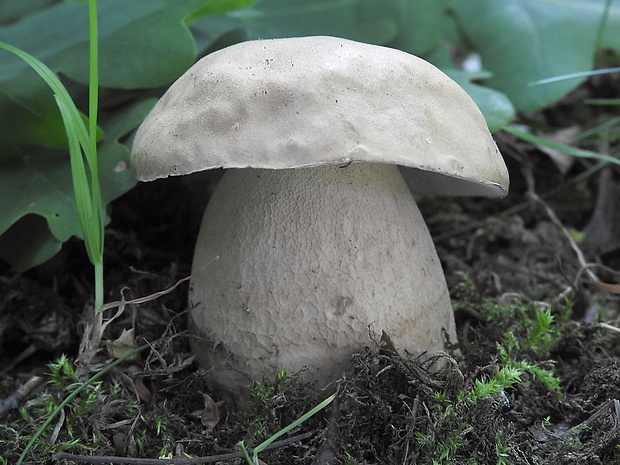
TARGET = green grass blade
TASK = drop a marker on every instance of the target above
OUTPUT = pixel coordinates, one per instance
(93, 107)
(93, 89)
(80, 147)
(294, 424)
(567, 149)
(602, 24)
(89, 216)
(54, 83)
(602, 101)
(566, 77)
(82, 143)
(71, 396)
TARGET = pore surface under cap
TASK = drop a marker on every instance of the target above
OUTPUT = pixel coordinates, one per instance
(288, 103)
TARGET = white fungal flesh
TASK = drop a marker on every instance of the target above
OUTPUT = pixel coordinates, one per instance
(314, 264)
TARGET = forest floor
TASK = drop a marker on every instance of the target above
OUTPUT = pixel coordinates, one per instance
(535, 377)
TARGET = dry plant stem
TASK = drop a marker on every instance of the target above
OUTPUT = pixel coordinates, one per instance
(610, 327)
(613, 288)
(197, 460)
(14, 400)
(93, 334)
(327, 451)
(608, 413)
(156, 295)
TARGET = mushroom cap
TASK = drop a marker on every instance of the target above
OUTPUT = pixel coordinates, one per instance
(309, 101)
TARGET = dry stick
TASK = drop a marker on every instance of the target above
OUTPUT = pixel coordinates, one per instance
(613, 288)
(326, 453)
(610, 327)
(197, 460)
(14, 400)
(91, 340)
(156, 295)
(585, 267)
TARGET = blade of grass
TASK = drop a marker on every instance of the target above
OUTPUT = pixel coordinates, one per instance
(566, 77)
(54, 83)
(597, 45)
(80, 183)
(79, 148)
(82, 143)
(78, 139)
(71, 396)
(602, 25)
(567, 149)
(91, 154)
(599, 130)
(602, 101)
(284, 430)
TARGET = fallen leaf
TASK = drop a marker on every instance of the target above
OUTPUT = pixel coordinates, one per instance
(124, 344)
(211, 414)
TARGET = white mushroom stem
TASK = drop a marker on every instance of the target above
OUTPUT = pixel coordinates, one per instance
(314, 264)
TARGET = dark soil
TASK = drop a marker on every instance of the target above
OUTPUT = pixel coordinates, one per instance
(506, 254)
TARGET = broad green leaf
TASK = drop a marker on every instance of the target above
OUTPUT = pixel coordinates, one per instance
(38, 185)
(12, 10)
(28, 243)
(495, 106)
(218, 7)
(422, 24)
(523, 41)
(143, 43)
(364, 20)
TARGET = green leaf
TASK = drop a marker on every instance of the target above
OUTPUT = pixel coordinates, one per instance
(523, 41)
(363, 20)
(28, 242)
(218, 7)
(495, 106)
(142, 43)
(12, 11)
(422, 24)
(39, 183)
(147, 37)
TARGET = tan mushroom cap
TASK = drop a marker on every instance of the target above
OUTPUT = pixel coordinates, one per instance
(308, 101)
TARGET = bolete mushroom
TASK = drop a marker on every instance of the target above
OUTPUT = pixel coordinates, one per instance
(321, 247)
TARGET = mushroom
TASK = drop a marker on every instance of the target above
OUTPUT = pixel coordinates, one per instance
(320, 246)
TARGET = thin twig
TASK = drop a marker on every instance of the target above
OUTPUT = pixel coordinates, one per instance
(191, 461)
(585, 267)
(156, 295)
(610, 327)
(93, 332)
(14, 400)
